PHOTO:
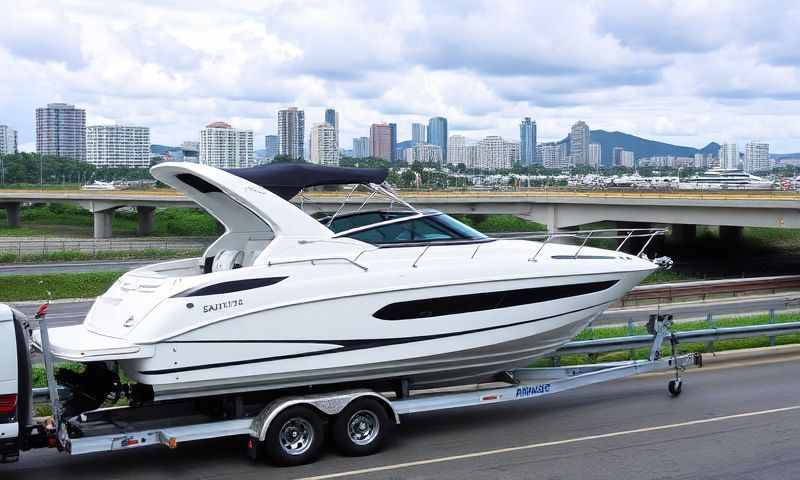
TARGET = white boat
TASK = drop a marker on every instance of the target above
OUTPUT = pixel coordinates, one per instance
(726, 179)
(363, 297)
(104, 186)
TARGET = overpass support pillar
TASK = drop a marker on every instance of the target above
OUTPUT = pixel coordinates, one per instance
(102, 223)
(682, 233)
(147, 220)
(13, 213)
(730, 234)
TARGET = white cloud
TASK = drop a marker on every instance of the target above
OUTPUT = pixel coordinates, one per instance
(688, 73)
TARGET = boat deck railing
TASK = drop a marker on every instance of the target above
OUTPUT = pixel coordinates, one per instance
(584, 236)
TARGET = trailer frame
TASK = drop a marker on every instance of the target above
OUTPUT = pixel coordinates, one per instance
(515, 385)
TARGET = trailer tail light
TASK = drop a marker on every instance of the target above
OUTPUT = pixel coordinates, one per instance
(8, 404)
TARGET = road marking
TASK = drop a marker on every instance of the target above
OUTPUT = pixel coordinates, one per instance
(498, 451)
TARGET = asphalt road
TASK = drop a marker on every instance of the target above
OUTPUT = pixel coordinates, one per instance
(736, 419)
(72, 267)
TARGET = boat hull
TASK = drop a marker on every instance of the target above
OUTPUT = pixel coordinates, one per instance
(505, 338)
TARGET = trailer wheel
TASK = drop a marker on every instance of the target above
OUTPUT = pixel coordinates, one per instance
(295, 437)
(361, 428)
(674, 387)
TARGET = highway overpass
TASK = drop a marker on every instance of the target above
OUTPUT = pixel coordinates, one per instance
(558, 209)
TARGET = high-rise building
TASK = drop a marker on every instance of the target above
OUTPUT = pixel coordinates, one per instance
(626, 159)
(118, 146)
(418, 133)
(729, 156)
(61, 131)
(553, 154)
(332, 119)
(595, 155)
(361, 147)
(272, 146)
(527, 141)
(457, 150)
(437, 133)
(223, 146)
(616, 156)
(579, 139)
(323, 149)
(380, 141)
(756, 157)
(495, 153)
(423, 153)
(393, 129)
(8, 140)
(291, 133)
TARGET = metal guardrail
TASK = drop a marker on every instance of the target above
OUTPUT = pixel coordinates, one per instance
(705, 335)
(669, 292)
(44, 245)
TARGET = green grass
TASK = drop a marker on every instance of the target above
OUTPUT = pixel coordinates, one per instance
(68, 256)
(500, 223)
(69, 220)
(641, 353)
(61, 285)
(666, 276)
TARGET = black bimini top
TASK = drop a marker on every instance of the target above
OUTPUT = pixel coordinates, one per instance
(287, 179)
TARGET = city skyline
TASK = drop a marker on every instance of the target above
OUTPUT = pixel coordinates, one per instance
(156, 66)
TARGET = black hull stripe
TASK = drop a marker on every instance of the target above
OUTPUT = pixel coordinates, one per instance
(344, 345)
(479, 302)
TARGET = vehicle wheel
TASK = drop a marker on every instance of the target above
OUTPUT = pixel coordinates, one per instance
(675, 387)
(361, 428)
(295, 437)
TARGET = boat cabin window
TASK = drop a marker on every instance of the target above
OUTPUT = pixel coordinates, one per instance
(361, 219)
(433, 228)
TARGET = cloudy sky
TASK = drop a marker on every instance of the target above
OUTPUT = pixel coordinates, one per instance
(687, 72)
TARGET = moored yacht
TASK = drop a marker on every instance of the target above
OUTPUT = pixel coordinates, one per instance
(360, 296)
(725, 179)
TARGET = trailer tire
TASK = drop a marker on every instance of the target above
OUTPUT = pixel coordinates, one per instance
(295, 437)
(674, 387)
(361, 428)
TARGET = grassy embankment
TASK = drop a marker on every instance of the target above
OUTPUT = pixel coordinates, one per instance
(718, 346)
(72, 255)
(62, 220)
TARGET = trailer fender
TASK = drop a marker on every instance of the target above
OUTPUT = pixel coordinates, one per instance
(329, 404)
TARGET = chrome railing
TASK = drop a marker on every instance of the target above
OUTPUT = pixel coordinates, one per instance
(584, 236)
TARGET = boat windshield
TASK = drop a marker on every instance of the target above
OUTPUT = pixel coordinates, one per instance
(430, 228)
(361, 219)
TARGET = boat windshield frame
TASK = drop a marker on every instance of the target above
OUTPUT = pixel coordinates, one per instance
(457, 237)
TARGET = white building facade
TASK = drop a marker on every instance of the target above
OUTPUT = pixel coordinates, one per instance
(729, 156)
(626, 159)
(361, 147)
(118, 146)
(8, 140)
(324, 145)
(223, 146)
(423, 153)
(595, 155)
(457, 150)
(291, 132)
(756, 157)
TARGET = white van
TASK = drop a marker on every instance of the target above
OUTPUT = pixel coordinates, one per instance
(15, 401)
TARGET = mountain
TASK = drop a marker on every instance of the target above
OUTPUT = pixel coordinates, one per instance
(781, 156)
(642, 147)
(161, 149)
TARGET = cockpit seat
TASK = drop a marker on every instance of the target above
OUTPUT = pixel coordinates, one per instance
(228, 260)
